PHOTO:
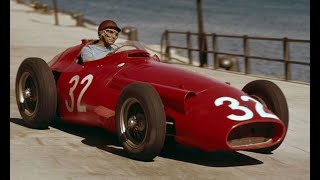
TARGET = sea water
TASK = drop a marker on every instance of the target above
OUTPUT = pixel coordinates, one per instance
(265, 18)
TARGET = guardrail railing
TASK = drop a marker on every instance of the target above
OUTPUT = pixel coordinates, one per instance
(166, 48)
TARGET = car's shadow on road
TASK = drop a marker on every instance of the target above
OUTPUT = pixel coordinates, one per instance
(100, 138)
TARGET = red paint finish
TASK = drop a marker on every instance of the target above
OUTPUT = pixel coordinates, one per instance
(188, 98)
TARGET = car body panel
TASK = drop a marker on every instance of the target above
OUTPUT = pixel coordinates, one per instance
(205, 111)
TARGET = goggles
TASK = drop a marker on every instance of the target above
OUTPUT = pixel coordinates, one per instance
(109, 33)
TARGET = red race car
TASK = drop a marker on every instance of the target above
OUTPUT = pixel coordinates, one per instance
(143, 100)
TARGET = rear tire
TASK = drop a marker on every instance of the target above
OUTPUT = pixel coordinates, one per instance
(270, 95)
(36, 93)
(141, 121)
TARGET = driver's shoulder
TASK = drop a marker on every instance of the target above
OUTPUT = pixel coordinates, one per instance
(92, 47)
(91, 41)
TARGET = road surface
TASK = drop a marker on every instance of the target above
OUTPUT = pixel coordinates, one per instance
(68, 151)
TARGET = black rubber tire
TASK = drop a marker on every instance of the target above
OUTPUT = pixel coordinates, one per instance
(36, 93)
(140, 103)
(272, 96)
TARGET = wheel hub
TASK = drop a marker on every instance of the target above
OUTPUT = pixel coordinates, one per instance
(132, 122)
(27, 93)
(141, 122)
(137, 122)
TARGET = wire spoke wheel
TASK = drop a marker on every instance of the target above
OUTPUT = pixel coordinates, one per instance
(141, 121)
(133, 122)
(36, 94)
(28, 93)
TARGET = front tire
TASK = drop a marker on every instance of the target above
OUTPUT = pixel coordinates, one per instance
(141, 121)
(36, 93)
(270, 95)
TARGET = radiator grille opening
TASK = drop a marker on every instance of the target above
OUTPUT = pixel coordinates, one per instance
(252, 134)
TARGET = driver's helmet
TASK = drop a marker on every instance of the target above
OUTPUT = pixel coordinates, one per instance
(108, 28)
(108, 24)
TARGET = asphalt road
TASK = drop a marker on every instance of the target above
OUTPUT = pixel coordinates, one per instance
(69, 151)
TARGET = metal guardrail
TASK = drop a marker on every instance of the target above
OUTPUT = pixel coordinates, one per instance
(166, 45)
(45, 8)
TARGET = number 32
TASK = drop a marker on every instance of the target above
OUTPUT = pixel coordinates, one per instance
(248, 114)
(75, 79)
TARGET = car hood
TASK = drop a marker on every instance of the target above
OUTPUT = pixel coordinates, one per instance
(167, 75)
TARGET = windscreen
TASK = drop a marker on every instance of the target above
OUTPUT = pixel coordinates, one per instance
(128, 45)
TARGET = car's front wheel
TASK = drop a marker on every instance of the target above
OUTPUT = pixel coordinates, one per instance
(141, 121)
(36, 93)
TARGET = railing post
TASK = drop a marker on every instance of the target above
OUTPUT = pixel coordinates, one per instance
(246, 53)
(215, 51)
(203, 53)
(79, 19)
(167, 52)
(55, 7)
(202, 39)
(286, 58)
(189, 44)
(161, 45)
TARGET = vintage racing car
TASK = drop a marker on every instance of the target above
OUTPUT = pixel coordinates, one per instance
(143, 100)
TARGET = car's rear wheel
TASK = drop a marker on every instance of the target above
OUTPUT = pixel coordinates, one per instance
(141, 121)
(36, 93)
(271, 96)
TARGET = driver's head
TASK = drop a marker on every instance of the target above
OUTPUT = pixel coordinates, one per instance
(108, 31)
